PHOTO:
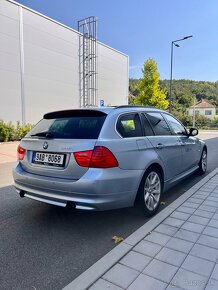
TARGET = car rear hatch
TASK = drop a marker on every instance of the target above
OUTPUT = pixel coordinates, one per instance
(51, 144)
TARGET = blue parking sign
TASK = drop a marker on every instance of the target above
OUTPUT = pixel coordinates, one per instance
(101, 103)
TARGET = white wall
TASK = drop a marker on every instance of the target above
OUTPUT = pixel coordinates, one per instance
(51, 63)
(10, 75)
(113, 79)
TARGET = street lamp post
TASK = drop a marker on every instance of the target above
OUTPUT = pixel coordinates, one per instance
(174, 42)
(193, 120)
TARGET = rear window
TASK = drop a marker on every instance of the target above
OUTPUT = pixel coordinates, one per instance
(74, 127)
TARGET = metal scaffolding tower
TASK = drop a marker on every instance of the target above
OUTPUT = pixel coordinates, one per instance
(88, 61)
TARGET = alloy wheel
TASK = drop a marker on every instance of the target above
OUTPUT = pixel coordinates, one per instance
(204, 161)
(152, 190)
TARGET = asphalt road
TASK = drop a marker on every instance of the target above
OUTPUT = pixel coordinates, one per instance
(45, 247)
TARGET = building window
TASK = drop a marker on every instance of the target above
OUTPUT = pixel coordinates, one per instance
(208, 112)
(197, 112)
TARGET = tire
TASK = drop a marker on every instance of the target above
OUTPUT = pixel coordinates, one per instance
(203, 162)
(150, 191)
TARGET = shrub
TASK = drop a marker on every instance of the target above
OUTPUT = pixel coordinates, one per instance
(202, 121)
(9, 132)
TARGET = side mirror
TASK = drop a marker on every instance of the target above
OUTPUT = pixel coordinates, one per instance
(193, 132)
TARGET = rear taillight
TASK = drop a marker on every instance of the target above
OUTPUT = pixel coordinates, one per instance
(99, 157)
(20, 153)
(83, 158)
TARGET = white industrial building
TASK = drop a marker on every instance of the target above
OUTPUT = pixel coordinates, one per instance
(39, 66)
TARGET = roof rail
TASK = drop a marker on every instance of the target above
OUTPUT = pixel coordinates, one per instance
(132, 106)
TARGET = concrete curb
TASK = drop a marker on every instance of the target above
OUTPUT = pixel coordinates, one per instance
(91, 275)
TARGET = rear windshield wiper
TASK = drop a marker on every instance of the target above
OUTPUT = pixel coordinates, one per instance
(43, 134)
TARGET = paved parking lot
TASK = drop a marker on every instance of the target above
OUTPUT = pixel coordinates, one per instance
(8, 157)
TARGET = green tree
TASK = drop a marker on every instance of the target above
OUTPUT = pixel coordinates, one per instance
(150, 93)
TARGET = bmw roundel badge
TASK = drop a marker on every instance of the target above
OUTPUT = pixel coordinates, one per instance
(45, 145)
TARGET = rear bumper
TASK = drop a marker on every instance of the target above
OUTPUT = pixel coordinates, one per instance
(97, 189)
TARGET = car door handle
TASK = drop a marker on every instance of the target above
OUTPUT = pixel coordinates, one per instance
(160, 146)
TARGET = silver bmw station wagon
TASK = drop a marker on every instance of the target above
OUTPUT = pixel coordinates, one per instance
(107, 158)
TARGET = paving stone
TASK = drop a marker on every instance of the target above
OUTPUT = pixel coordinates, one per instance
(144, 282)
(191, 205)
(136, 261)
(167, 230)
(201, 192)
(194, 200)
(193, 227)
(215, 272)
(200, 196)
(214, 194)
(203, 213)
(215, 216)
(147, 248)
(207, 188)
(172, 287)
(187, 235)
(198, 265)
(186, 209)
(121, 275)
(198, 220)
(189, 280)
(208, 241)
(180, 215)
(213, 182)
(160, 270)
(211, 231)
(173, 222)
(212, 285)
(171, 256)
(179, 245)
(213, 223)
(210, 203)
(215, 190)
(104, 285)
(208, 208)
(204, 252)
(212, 198)
(157, 238)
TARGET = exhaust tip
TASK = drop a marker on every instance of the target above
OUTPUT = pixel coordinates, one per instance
(22, 193)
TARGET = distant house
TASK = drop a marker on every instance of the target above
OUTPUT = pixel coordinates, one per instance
(202, 108)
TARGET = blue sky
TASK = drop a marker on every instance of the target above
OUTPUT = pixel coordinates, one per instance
(145, 28)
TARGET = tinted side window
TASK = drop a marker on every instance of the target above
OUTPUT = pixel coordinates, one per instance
(177, 127)
(129, 125)
(158, 124)
(147, 126)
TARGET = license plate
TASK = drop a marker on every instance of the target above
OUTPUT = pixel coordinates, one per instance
(51, 159)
